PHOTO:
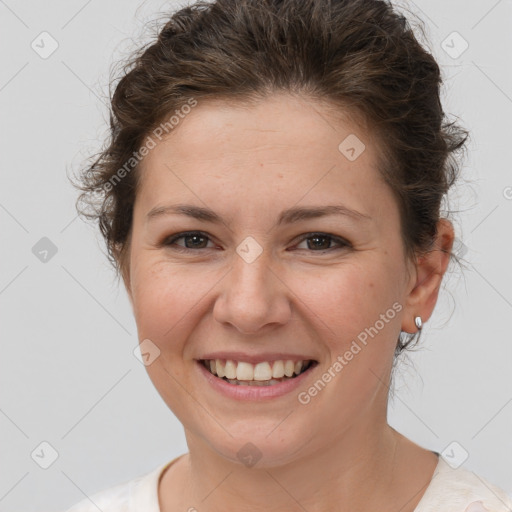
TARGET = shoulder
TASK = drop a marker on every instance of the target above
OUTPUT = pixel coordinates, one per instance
(460, 490)
(113, 499)
(130, 495)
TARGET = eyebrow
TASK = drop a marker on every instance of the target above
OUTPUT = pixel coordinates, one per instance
(288, 216)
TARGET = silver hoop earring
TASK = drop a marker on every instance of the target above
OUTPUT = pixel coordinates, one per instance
(418, 322)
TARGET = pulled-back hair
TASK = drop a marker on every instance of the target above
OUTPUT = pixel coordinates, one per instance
(358, 56)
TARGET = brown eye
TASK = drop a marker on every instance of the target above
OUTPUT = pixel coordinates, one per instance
(322, 242)
(193, 240)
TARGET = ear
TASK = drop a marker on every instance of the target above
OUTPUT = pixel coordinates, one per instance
(429, 271)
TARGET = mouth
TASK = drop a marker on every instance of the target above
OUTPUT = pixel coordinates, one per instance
(266, 373)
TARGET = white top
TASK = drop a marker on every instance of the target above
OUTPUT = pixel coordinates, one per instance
(450, 490)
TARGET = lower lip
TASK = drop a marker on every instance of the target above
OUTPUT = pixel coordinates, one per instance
(239, 392)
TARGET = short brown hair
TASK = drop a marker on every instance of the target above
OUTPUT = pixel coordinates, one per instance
(359, 55)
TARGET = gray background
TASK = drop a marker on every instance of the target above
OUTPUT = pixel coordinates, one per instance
(68, 373)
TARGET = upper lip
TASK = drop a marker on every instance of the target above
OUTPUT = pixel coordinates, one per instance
(256, 358)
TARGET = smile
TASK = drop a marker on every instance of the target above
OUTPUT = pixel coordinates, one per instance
(266, 373)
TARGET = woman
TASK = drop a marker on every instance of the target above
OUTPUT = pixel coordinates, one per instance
(271, 198)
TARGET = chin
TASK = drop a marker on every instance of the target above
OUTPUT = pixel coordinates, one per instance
(262, 444)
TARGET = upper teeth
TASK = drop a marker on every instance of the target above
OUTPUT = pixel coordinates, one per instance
(241, 370)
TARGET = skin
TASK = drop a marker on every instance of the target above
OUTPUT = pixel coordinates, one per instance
(248, 163)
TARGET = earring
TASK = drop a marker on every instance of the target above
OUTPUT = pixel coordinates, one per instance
(418, 322)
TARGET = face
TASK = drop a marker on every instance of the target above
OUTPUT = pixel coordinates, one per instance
(253, 280)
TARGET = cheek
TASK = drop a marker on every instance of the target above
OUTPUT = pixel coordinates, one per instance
(352, 297)
(341, 301)
(164, 296)
(361, 306)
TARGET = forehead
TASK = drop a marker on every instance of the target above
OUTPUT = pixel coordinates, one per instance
(280, 119)
(283, 144)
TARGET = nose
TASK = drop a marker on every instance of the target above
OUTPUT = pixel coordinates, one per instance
(252, 297)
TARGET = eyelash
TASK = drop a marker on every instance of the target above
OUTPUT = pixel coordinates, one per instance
(170, 241)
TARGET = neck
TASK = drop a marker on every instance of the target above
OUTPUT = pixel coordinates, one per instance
(362, 469)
